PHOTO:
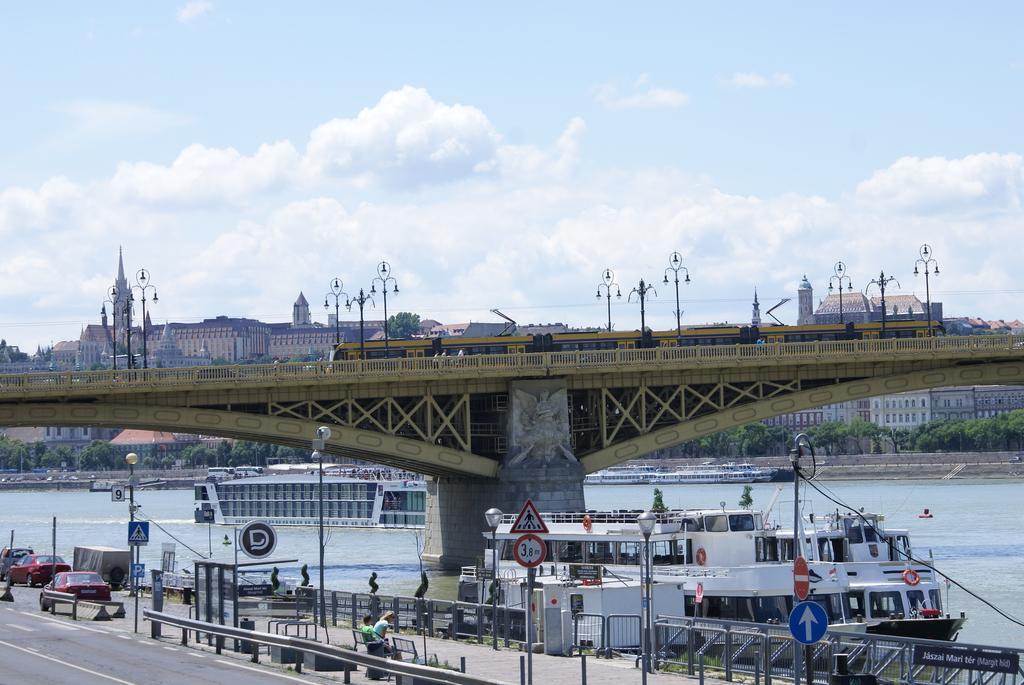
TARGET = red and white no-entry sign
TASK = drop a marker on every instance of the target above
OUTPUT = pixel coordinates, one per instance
(699, 596)
(801, 579)
(529, 550)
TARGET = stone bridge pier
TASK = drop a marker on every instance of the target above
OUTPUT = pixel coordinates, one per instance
(538, 465)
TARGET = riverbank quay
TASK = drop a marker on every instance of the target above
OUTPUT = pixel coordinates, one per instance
(481, 660)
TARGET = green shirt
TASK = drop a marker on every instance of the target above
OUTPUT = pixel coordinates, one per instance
(368, 634)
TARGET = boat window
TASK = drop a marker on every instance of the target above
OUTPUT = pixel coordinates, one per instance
(854, 532)
(870, 534)
(629, 553)
(570, 552)
(767, 548)
(902, 547)
(741, 522)
(886, 604)
(786, 549)
(716, 524)
(663, 553)
(824, 549)
(857, 606)
(915, 600)
(691, 524)
(773, 609)
(832, 604)
(935, 597)
(599, 553)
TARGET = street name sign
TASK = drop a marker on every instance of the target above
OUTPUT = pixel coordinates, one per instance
(529, 520)
(808, 622)
(529, 551)
(257, 539)
(138, 533)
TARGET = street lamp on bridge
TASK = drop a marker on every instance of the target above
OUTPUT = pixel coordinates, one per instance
(641, 292)
(882, 281)
(361, 300)
(927, 262)
(384, 275)
(337, 292)
(112, 299)
(142, 284)
(675, 264)
(840, 278)
(609, 283)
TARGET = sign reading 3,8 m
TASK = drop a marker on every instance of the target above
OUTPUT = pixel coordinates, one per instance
(529, 550)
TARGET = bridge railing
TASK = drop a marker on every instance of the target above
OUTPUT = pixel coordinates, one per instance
(501, 364)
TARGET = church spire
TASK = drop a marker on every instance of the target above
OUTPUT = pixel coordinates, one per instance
(755, 317)
(120, 265)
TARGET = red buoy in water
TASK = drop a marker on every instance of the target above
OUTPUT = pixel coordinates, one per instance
(925, 514)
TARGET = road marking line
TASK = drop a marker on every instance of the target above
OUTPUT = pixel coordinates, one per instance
(65, 663)
(62, 623)
(261, 671)
(198, 655)
(17, 627)
(123, 637)
(171, 649)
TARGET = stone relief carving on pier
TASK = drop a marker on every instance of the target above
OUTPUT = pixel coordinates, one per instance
(540, 427)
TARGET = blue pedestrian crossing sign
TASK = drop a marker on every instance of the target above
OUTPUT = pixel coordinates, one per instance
(138, 533)
(808, 622)
(138, 571)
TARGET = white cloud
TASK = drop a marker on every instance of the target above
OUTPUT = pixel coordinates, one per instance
(608, 96)
(194, 9)
(984, 182)
(779, 79)
(99, 119)
(406, 139)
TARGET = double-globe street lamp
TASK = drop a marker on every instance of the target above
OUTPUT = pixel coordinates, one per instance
(675, 265)
(930, 267)
(112, 299)
(319, 444)
(646, 522)
(840, 279)
(132, 459)
(361, 300)
(882, 281)
(641, 292)
(493, 516)
(142, 284)
(384, 275)
(609, 282)
(337, 292)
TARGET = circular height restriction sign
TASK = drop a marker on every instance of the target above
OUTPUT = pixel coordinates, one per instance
(529, 550)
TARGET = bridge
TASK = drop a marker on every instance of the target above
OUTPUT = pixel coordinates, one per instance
(494, 429)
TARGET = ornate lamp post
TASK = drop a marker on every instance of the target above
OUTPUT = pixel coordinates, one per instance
(142, 284)
(882, 281)
(129, 305)
(384, 275)
(322, 434)
(646, 522)
(337, 292)
(112, 299)
(493, 516)
(609, 283)
(930, 267)
(840, 278)
(361, 300)
(132, 459)
(641, 292)
(675, 265)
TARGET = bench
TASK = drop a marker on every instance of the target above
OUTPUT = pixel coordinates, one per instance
(404, 648)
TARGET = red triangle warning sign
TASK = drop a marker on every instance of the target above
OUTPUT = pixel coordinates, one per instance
(529, 520)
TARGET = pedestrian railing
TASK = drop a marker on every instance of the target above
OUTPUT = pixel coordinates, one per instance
(308, 649)
(607, 635)
(767, 652)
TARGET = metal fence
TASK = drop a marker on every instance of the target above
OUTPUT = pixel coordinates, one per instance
(606, 635)
(767, 652)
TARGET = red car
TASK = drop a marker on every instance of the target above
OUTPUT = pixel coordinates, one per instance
(85, 585)
(36, 569)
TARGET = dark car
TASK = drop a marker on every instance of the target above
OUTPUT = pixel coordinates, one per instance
(85, 585)
(37, 569)
(9, 556)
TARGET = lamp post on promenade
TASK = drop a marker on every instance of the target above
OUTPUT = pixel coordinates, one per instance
(641, 292)
(322, 434)
(840, 278)
(384, 275)
(337, 292)
(493, 516)
(131, 459)
(361, 300)
(112, 299)
(142, 284)
(609, 283)
(882, 281)
(675, 265)
(646, 522)
(927, 262)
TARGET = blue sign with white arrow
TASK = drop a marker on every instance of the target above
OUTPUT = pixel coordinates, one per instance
(808, 622)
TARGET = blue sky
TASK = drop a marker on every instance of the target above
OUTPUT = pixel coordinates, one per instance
(501, 156)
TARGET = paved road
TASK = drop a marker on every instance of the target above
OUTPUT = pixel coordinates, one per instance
(37, 648)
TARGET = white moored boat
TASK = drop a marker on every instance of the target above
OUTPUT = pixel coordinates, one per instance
(366, 498)
(698, 474)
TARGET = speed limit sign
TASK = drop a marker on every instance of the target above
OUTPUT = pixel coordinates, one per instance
(529, 551)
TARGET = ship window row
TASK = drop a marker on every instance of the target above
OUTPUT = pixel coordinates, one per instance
(297, 508)
(399, 519)
(663, 552)
(343, 491)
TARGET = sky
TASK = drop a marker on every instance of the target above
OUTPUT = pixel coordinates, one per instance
(504, 155)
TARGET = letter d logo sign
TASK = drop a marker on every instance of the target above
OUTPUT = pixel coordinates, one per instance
(257, 539)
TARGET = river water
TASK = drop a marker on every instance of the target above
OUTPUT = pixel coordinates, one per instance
(976, 536)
